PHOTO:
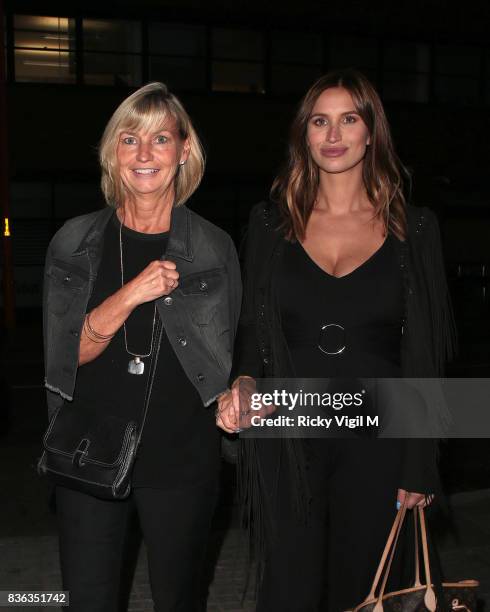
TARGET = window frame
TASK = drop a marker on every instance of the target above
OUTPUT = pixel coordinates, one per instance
(267, 63)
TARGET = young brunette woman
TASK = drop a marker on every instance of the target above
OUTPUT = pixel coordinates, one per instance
(336, 250)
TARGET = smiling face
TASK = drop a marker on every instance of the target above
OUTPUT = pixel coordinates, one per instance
(336, 135)
(148, 161)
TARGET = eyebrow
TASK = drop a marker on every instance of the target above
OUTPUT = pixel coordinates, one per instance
(351, 112)
(131, 133)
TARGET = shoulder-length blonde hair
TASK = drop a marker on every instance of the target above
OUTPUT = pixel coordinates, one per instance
(149, 109)
(295, 188)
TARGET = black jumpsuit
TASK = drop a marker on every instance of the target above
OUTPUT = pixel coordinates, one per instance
(329, 563)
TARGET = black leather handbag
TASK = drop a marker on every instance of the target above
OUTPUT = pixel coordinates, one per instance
(93, 452)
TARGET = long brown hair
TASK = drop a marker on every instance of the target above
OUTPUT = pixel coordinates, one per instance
(295, 188)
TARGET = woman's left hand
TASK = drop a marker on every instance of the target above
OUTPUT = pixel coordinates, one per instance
(413, 499)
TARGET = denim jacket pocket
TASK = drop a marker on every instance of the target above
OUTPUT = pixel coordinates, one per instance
(65, 285)
(203, 292)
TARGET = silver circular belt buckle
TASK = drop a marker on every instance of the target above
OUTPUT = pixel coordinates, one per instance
(335, 330)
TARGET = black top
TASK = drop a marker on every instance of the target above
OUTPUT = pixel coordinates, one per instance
(260, 349)
(342, 328)
(345, 326)
(180, 442)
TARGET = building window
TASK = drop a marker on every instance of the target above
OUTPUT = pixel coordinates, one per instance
(359, 53)
(178, 55)
(406, 68)
(44, 49)
(238, 60)
(457, 72)
(296, 61)
(112, 52)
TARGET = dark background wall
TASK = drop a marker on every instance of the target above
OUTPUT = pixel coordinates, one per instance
(429, 60)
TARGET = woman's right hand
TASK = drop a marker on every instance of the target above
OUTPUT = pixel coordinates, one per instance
(234, 411)
(234, 404)
(157, 279)
(226, 417)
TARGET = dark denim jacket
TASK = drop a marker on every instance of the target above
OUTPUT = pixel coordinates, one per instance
(200, 316)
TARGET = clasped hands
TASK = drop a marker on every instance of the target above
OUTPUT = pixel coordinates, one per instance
(234, 413)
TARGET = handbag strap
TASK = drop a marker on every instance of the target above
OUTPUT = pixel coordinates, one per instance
(384, 567)
(437, 574)
(417, 582)
(429, 597)
(379, 604)
(430, 600)
(151, 377)
(393, 534)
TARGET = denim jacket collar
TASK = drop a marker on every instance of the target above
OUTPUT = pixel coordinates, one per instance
(93, 237)
(180, 239)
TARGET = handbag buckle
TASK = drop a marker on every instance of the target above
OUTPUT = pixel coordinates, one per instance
(80, 453)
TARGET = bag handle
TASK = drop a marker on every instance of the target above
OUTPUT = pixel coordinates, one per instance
(417, 582)
(385, 554)
(379, 603)
(430, 600)
(392, 536)
(429, 597)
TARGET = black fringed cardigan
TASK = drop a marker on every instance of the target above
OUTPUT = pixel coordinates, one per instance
(428, 340)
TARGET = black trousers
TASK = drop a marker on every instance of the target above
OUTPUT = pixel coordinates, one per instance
(329, 563)
(93, 534)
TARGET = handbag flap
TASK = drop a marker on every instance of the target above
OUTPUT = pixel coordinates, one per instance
(89, 436)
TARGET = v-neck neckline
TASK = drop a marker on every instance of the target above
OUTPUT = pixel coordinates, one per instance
(352, 272)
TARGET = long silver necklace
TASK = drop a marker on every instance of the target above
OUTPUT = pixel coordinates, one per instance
(135, 365)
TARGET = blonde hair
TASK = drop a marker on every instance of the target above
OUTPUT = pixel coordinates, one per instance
(149, 108)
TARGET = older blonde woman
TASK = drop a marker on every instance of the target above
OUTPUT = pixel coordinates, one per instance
(113, 278)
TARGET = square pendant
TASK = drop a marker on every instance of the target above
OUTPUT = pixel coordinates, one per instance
(136, 366)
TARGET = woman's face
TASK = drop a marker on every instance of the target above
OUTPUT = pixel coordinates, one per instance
(336, 135)
(148, 162)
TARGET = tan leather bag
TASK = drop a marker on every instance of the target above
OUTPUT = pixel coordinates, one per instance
(421, 597)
